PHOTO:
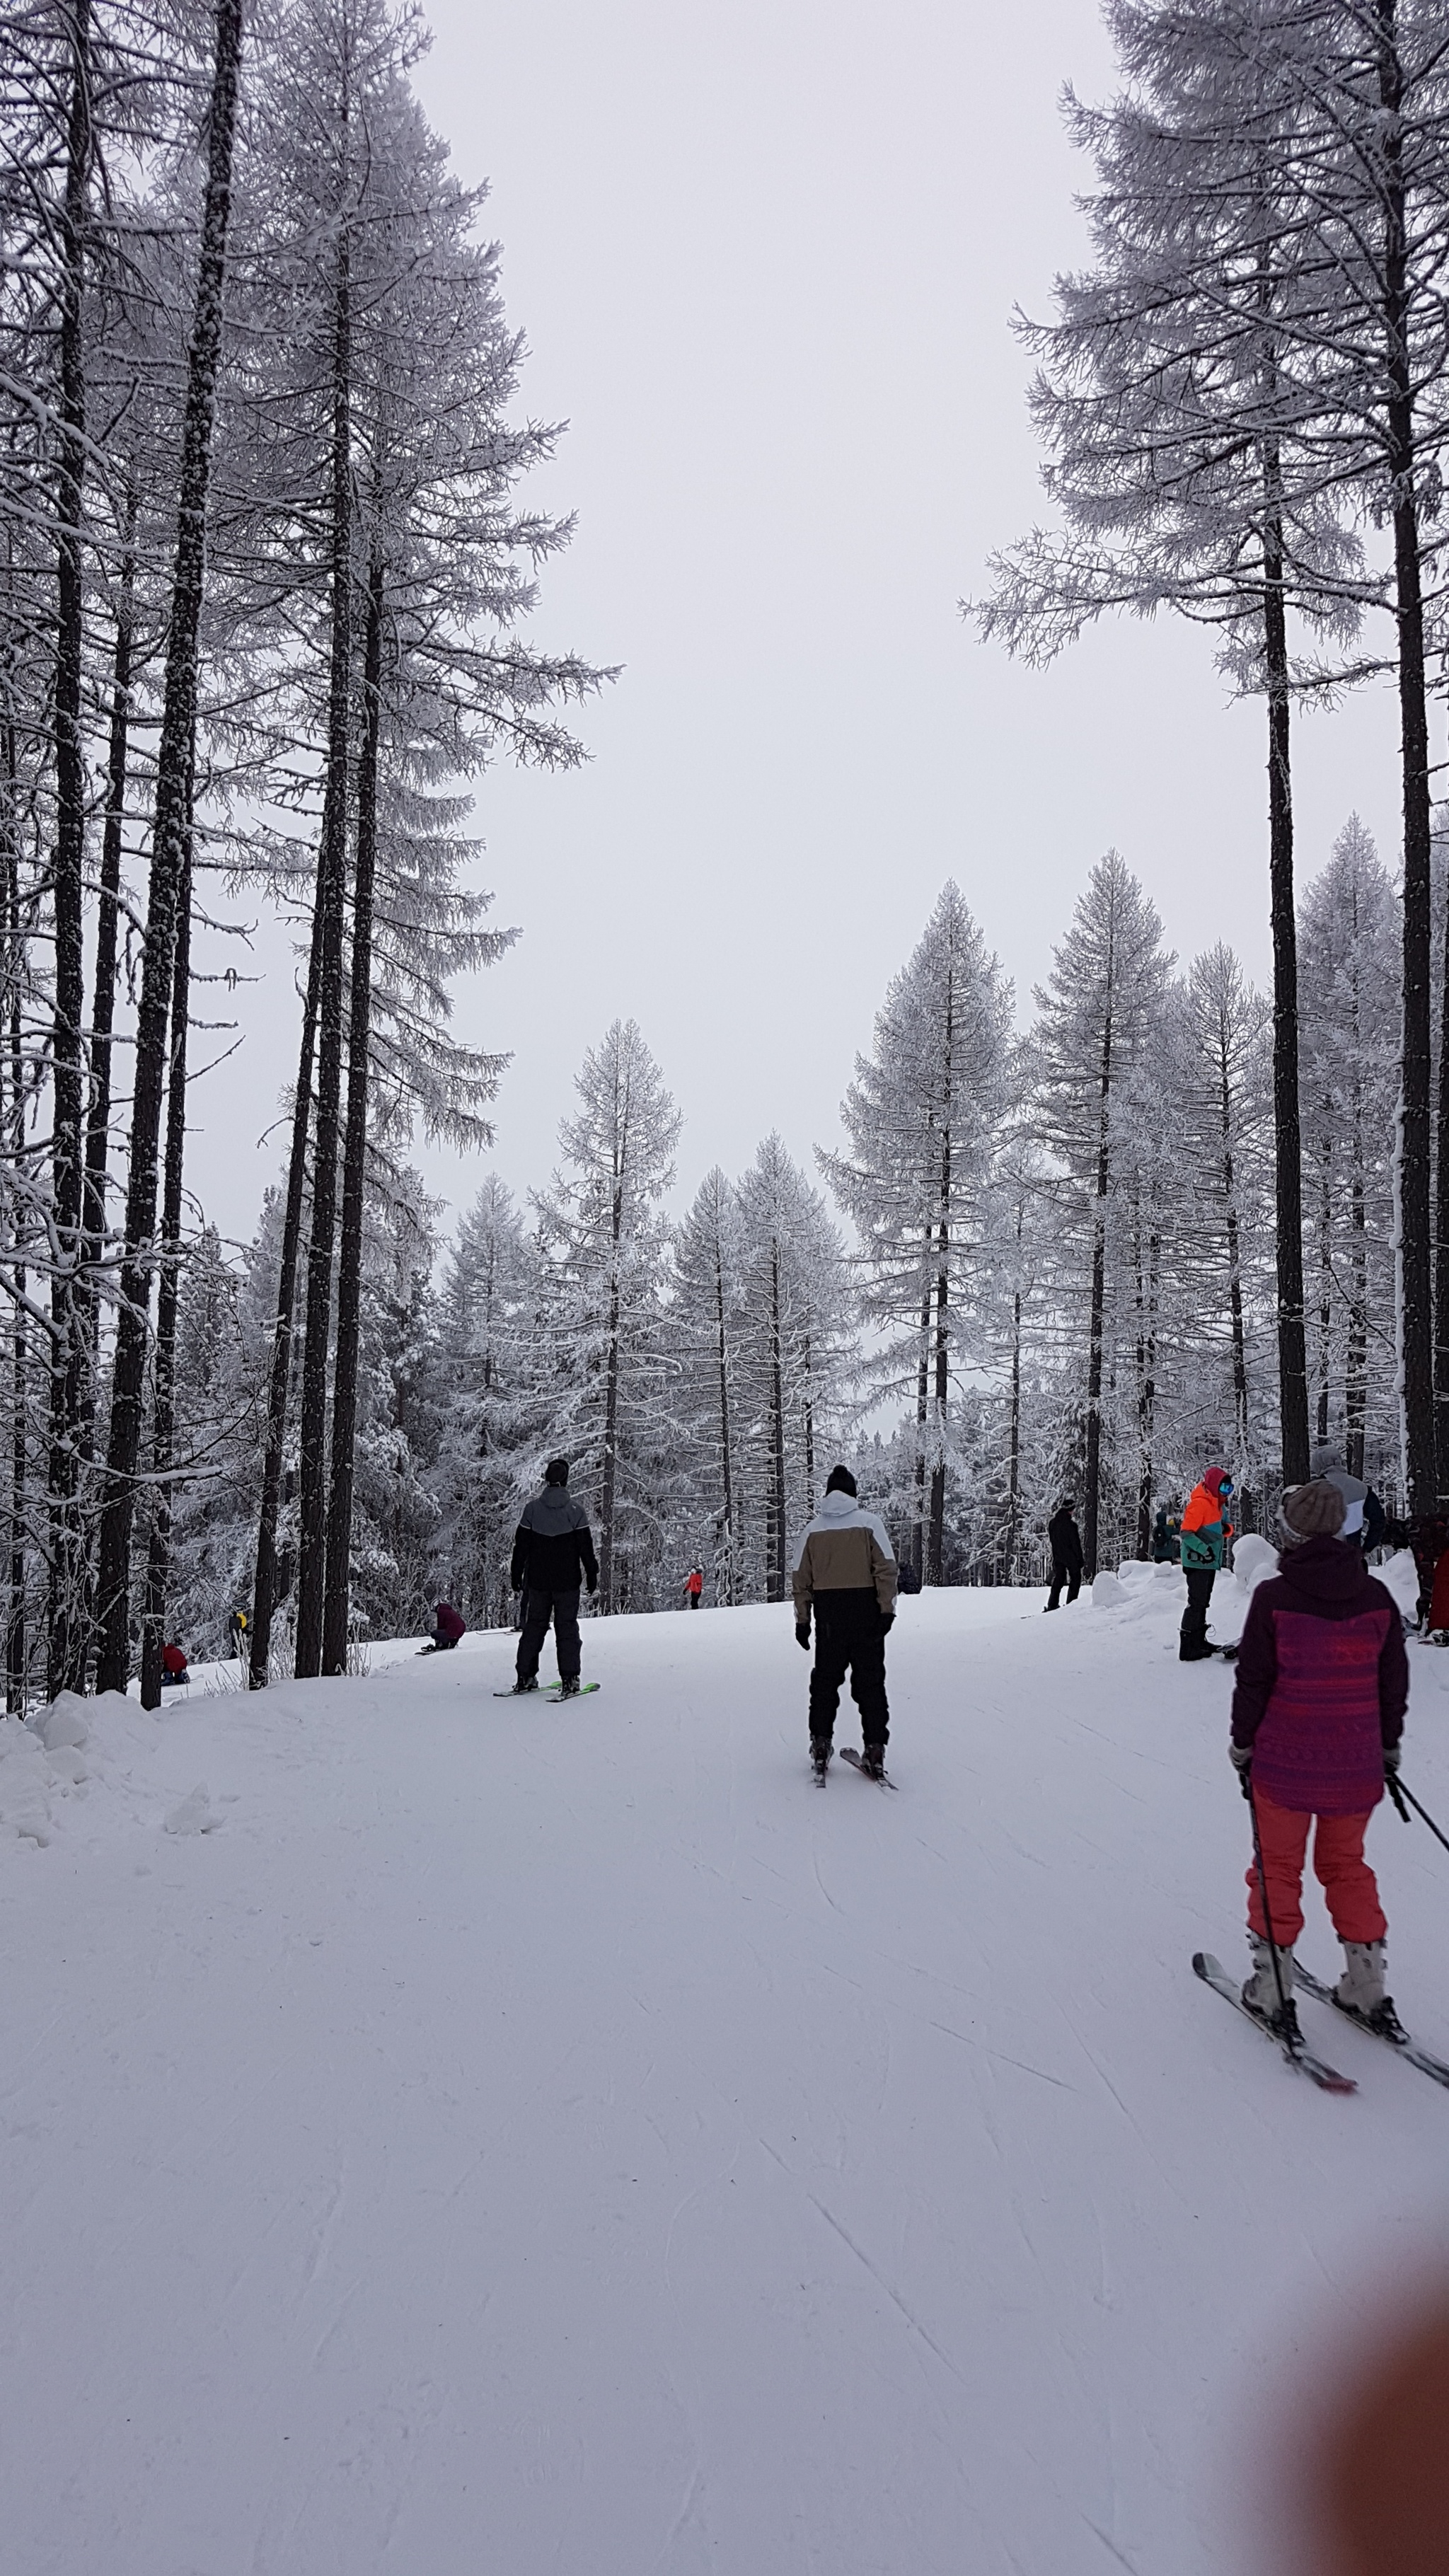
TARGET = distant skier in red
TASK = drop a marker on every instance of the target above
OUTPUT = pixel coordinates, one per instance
(174, 1666)
(694, 1586)
(1322, 1684)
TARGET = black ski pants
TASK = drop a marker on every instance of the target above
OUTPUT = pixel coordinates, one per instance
(538, 1608)
(1193, 1644)
(1071, 1576)
(849, 1639)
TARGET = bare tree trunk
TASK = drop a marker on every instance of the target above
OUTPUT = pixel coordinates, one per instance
(331, 899)
(103, 1008)
(1441, 1245)
(609, 1495)
(168, 850)
(65, 1648)
(1097, 1316)
(923, 1393)
(936, 1532)
(163, 1411)
(1416, 1329)
(1287, 1129)
(1355, 1387)
(778, 1567)
(264, 1586)
(1235, 1253)
(726, 1470)
(354, 1154)
(1013, 1473)
(1325, 1274)
(17, 1644)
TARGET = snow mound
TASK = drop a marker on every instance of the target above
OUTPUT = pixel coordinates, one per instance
(24, 1784)
(1254, 1559)
(194, 1815)
(1109, 1592)
(1401, 1576)
(63, 1722)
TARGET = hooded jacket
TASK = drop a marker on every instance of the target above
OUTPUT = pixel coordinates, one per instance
(844, 1550)
(1322, 1681)
(552, 1543)
(1205, 1533)
(1326, 1465)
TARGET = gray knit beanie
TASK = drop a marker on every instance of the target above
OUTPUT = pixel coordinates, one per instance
(1313, 1511)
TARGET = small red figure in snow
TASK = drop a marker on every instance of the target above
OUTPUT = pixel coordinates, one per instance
(173, 1662)
(694, 1586)
(1318, 1712)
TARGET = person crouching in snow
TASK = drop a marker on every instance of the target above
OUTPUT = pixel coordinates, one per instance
(846, 1573)
(448, 1626)
(1202, 1549)
(1318, 1711)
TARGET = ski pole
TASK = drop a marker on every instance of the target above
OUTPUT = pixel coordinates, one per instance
(1289, 2042)
(1400, 1791)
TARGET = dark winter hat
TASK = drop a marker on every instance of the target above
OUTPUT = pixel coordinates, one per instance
(840, 1481)
(1068, 1503)
(556, 1472)
(1315, 1510)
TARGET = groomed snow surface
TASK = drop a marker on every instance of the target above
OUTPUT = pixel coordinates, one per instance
(464, 2137)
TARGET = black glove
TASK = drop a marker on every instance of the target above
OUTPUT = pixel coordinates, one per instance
(1393, 1755)
(887, 1622)
(802, 1634)
(593, 1588)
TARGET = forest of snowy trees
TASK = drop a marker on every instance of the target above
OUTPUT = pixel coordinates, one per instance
(267, 595)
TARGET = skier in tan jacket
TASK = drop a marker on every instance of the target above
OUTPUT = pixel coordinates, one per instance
(846, 1573)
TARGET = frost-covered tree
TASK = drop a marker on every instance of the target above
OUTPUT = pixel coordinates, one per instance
(922, 1117)
(605, 1247)
(795, 1347)
(706, 1319)
(492, 1400)
(1352, 958)
(1101, 1043)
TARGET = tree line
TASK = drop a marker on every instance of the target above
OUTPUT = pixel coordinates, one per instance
(1040, 1259)
(1243, 400)
(264, 598)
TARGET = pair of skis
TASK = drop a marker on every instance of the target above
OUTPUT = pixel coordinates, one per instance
(554, 1693)
(1318, 2071)
(848, 1754)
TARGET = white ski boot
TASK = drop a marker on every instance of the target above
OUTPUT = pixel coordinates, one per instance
(1260, 1994)
(1360, 1990)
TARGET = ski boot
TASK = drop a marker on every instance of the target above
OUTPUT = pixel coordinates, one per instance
(521, 1689)
(820, 1752)
(1260, 1994)
(872, 1761)
(569, 1686)
(1360, 1991)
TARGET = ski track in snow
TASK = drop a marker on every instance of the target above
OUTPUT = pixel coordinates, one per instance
(513, 2138)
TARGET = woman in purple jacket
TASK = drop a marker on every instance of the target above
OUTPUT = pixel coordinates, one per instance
(1318, 1711)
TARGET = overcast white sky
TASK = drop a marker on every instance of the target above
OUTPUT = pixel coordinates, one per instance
(766, 256)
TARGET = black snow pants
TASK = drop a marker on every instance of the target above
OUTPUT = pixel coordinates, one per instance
(563, 1609)
(849, 1638)
(1193, 1644)
(1071, 1576)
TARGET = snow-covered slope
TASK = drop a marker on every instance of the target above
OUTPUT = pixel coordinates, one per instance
(485, 2138)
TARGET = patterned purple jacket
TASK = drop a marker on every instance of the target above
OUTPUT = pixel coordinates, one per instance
(1322, 1682)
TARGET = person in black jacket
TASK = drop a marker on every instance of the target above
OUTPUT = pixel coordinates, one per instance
(1066, 1547)
(553, 1550)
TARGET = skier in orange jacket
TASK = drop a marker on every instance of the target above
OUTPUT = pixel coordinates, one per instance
(1206, 1531)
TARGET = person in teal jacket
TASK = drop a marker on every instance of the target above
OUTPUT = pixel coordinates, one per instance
(1203, 1548)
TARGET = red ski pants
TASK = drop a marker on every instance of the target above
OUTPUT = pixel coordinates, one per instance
(1348, 1883)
